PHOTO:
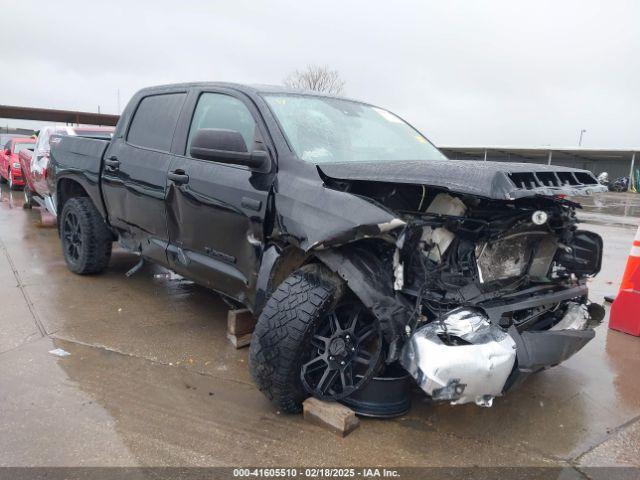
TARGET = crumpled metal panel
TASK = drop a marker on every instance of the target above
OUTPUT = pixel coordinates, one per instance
(315, 218)
(486, 179)
(473, 372)
(576, 318)
(372, 283)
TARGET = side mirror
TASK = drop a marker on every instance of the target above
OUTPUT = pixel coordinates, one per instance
(225, 146)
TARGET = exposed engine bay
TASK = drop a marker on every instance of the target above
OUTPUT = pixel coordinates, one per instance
(495, 289)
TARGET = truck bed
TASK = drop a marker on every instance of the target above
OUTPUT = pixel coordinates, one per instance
(79, 158)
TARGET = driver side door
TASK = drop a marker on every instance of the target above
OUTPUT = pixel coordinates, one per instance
(215, 210)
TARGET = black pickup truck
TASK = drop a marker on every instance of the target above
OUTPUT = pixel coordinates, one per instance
(355, 241)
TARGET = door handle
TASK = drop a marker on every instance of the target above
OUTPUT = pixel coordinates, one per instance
(112, 162)
(178, 177)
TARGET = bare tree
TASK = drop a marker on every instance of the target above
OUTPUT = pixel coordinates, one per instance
(315, 77)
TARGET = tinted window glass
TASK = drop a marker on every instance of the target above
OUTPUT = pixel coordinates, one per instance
(216, 110)
(155, 121)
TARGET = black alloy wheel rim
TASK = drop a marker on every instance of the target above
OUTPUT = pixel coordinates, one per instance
(72, 234)
(346, 349)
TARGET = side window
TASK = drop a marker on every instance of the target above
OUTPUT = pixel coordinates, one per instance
(217, 110)
(42, 144)
(154, 121)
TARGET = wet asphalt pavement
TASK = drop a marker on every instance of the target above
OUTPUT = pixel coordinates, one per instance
(152, 380)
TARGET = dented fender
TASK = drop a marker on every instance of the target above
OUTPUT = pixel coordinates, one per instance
(314, 218)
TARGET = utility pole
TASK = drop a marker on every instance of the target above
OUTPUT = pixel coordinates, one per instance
(631, 175)
(582, 132)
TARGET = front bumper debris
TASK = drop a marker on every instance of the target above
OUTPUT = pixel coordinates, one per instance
(465, 358)
(475, 371)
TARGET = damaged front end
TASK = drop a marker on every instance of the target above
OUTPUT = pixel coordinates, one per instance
(473, 293)
(465, 358)
(461, 358)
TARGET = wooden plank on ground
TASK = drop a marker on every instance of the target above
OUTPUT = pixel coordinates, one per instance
(240, 322)
(239, 341)
(332, 415)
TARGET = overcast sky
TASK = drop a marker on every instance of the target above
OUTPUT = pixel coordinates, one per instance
(464, 72)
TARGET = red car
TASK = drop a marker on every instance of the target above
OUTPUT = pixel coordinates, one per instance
(10, 169)
(34, 163)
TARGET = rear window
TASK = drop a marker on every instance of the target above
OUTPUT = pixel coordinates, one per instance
(155, 121)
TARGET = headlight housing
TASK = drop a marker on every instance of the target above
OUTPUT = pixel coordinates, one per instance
(503, 259)
(16, 165)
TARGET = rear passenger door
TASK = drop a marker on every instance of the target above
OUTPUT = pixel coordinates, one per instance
(135, 174)
(216, 213)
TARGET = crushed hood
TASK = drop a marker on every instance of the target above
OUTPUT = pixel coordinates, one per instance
(495, 180)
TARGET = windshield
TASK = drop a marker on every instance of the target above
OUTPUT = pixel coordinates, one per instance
(17, 147)
(324, 129)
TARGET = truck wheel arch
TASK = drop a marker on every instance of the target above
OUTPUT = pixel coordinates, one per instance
(354, 265)
(277, 264)
(371, 280)
(66, 189)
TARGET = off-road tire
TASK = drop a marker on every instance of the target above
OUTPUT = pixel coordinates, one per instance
(284, 330)
(96, 239)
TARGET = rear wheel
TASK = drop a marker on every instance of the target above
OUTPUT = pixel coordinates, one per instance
(86, 239)
(313, 338)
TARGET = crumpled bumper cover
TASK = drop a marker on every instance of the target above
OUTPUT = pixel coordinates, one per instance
(484, 361)
(471, 372)
(539, 350)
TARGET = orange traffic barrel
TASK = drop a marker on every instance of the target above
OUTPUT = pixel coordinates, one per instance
(625, 310)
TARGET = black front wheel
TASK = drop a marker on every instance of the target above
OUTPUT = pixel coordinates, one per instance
(86, 239)
(313, 337)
